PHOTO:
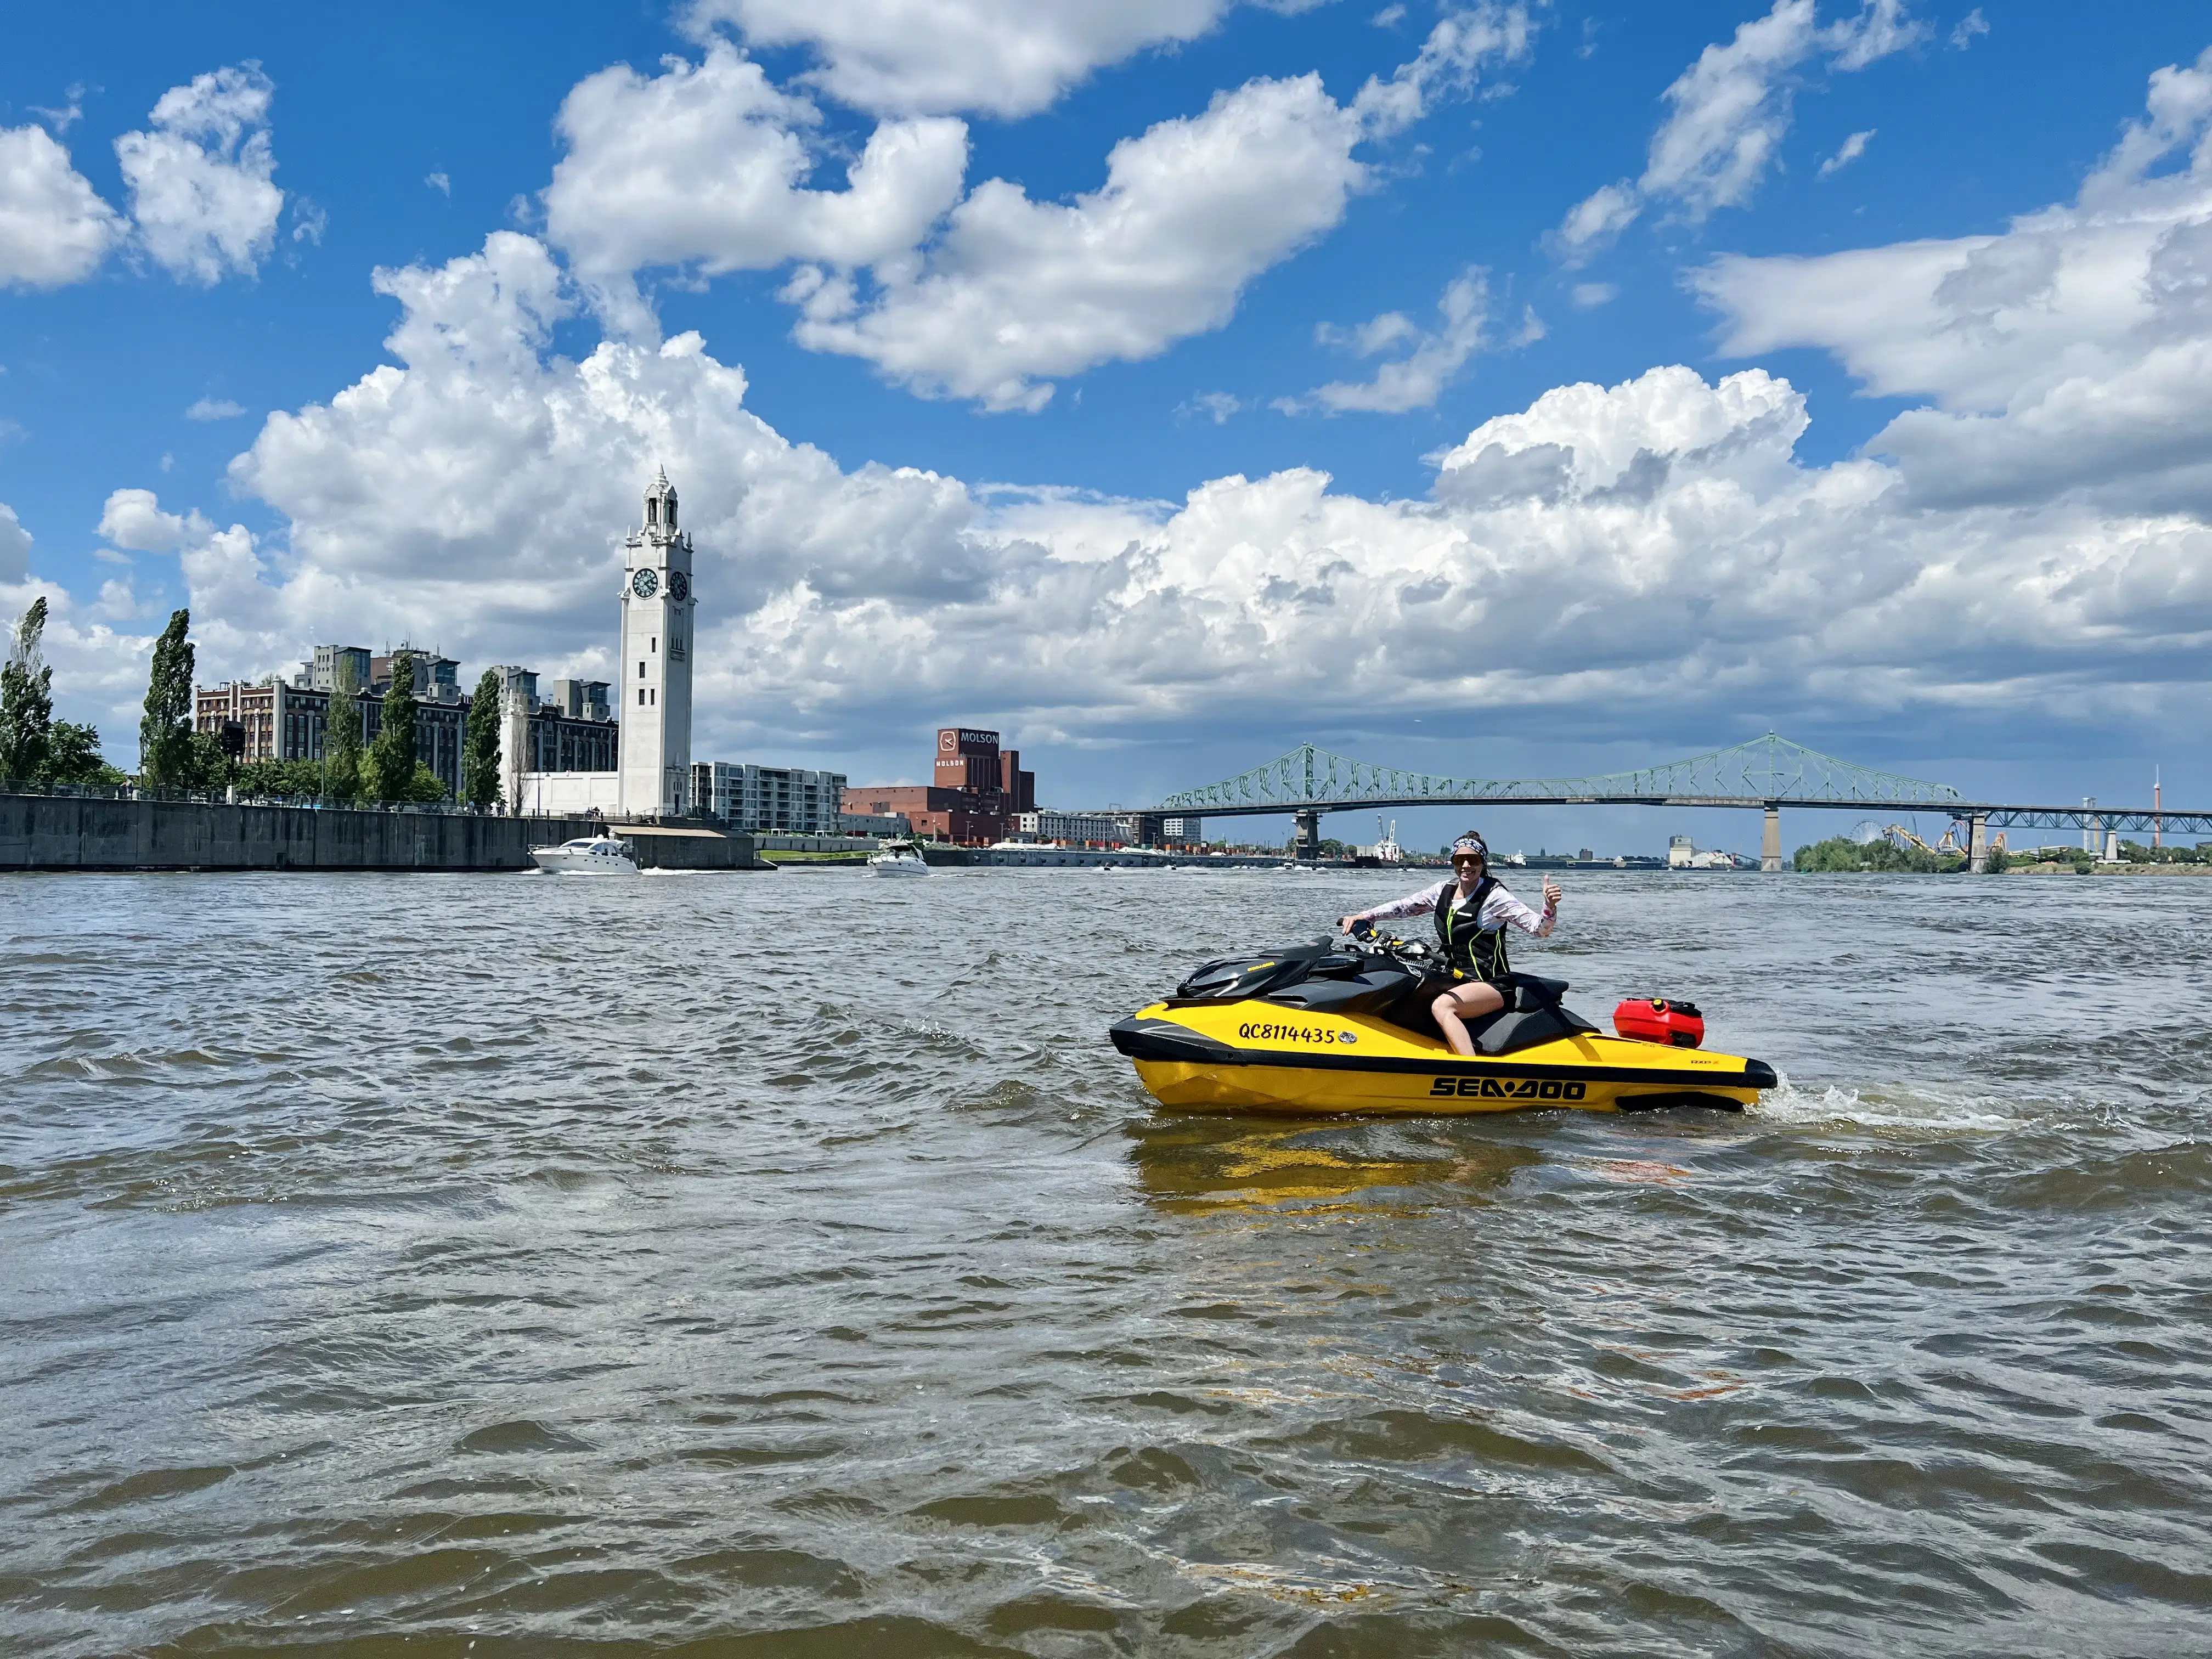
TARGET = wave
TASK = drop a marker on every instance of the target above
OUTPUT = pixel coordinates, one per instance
(1938, 1111)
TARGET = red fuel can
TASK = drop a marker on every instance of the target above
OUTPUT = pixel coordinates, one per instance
(1655, 1019)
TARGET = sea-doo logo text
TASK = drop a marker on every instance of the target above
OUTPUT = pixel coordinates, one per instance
(1506, 1088)
(1291, 1034)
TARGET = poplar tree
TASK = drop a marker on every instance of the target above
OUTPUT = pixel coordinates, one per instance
(389, 774)
(27, 702)
(342, 743)
(480, 768)
(167, 756)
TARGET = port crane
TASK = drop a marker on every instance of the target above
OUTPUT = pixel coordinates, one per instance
(1946, 847)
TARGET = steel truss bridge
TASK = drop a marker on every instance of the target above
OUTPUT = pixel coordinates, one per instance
(1768, 773)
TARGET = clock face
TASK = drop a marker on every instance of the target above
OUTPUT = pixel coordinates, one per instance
(679, 586)
(645, 584)
(948, 741)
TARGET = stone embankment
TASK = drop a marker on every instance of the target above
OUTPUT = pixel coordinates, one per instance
(63, 832)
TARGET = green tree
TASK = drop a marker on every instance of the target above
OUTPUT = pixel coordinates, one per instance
(27, 700)
(169, 757)
(480, 785)
(75, 758)
(428, 787)
(293, 780)
(388, 774)
(1840, 854)
(341, 745)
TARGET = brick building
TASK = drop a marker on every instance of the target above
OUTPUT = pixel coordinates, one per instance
(978, 792)
(287, 722)
(279, 722)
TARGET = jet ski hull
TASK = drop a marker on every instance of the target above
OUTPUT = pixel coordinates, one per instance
(1256, 1056)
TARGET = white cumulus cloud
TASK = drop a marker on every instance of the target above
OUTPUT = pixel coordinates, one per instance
(1880, 28)
(1462, 45)
(990, 294)
(215, 408)
(100, 675)
(1216, 406)
(1659, 542)
(1430, 357)
(537, 466)
(15, 546)
(1018, 291)
(704, 164)
(1006, 57)
(54, 228)
(1846, 153)
(1727, 115)
(133, 519)
(200, 181)
(2069, 353)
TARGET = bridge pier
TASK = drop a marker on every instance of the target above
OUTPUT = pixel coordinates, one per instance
(1309, 848)
(1770, 843)
(1977, 844)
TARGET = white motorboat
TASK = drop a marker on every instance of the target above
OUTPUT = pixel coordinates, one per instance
(898, 858)
(587, 855)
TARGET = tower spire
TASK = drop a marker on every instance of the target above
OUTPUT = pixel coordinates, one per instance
(660, 502)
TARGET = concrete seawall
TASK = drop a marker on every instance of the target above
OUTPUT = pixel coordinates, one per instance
(60, 833)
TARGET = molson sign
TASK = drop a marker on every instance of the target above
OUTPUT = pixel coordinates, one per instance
(967, 759)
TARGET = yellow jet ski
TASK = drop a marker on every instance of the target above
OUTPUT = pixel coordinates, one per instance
(1331, 1027)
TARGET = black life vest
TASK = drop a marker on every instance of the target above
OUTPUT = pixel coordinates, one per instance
(1471, 951)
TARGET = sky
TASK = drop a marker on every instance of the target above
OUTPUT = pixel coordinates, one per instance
(1488, 389)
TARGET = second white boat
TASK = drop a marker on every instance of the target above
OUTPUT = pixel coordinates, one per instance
(898, 858)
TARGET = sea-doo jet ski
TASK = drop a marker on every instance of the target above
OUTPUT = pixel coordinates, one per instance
(1345, 1027)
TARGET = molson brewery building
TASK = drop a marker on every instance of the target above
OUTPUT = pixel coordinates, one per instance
(978, 792)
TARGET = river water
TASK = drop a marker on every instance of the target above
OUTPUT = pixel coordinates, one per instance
(786, 1265)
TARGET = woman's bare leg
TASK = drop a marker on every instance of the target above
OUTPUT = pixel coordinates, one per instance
(1463, 1002)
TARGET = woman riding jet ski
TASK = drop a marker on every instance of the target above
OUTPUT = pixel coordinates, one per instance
(1385, 1026)
(1472, 912)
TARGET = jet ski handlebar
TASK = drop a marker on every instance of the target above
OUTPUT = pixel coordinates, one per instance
(1366, 941)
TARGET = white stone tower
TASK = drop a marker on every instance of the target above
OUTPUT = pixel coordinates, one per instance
(655, 688)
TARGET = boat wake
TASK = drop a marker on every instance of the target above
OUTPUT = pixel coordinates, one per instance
(1900, 1108)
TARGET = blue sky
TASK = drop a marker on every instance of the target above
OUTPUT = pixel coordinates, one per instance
(1121, 349)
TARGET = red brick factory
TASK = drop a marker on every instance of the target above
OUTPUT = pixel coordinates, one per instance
(978, 790)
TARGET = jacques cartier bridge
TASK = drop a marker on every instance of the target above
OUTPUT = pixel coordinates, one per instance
(1768, 773)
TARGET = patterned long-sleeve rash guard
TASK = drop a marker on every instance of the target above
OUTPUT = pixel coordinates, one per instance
(1499, 908)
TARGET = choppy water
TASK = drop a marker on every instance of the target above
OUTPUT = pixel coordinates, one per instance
(786, 1265)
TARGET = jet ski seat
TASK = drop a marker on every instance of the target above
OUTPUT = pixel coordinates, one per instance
(1533, 990)
(1512, 1028)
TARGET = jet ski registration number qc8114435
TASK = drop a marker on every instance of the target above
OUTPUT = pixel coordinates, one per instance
(1506, 1088)
(1273, 1033)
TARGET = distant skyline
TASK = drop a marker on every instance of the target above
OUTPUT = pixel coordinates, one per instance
(1481, 388)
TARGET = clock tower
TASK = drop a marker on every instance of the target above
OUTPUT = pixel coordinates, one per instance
(654, 691)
